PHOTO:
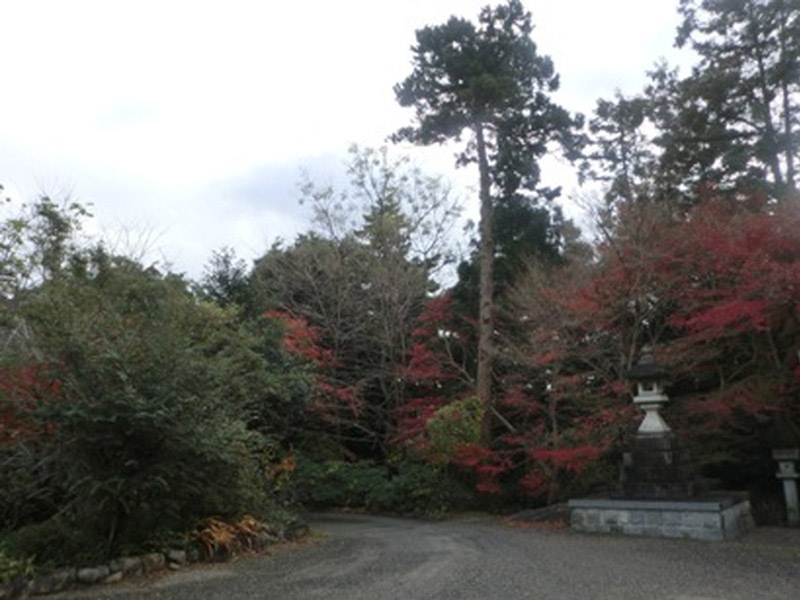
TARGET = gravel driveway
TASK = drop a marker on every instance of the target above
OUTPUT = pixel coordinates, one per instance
(381, 558)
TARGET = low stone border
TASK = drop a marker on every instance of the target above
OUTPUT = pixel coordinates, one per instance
(713, 519)
(110, 572)
(124, 567)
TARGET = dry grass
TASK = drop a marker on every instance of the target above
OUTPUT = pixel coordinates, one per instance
(219, 539)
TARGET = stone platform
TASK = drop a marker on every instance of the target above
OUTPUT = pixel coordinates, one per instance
(712, 518)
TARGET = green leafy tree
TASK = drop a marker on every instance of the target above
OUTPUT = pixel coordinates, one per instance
(150, 426)
(127, 406)
(620, 154)
(734, 120)
(751, 50)
(489, 81)
(225, 279)
(524, 233)
(731, 124)
(37, 241)
(359, 280)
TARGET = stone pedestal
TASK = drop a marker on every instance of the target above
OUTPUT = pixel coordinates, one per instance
(657, 494)
(658, 499)
(658, 468)
(714, 519)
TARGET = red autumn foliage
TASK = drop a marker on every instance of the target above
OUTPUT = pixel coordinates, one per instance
(516, 400)
(487, 465)
(413, 416)
(523, 397)
(435, 373)
(425, 365)
(330, 398)
(572, 459)
(535, 482)
(21, 388)
(301, 339)
(718, 293)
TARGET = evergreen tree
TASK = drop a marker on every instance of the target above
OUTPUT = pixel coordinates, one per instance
(487, 80)
(225, 279)
(619, 153)
(737, 114)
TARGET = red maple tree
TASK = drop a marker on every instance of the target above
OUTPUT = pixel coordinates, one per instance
(332, 402)
(716, 291)
(22, 389)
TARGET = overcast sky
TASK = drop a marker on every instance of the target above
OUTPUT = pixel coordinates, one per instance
(187, 122)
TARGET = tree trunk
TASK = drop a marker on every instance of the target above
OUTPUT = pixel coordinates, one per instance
(770, 136)
(788, 133)
(791, 186)
(486, 291)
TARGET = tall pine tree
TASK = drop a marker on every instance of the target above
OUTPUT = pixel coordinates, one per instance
(487, 80)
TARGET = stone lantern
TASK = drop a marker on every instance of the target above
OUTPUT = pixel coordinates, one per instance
(656, 496)
(786, 451)
(650, 377)
(657, 467)
(787, 457)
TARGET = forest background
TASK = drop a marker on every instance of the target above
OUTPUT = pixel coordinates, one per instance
(338, 371)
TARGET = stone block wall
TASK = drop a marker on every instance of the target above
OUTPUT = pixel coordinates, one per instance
(701, 519)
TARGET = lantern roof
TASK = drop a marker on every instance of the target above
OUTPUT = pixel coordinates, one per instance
(647, 368)
(784, 433)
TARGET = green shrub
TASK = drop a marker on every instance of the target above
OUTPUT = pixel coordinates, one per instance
(129, 408)
(452, 426)
(421, 489)
(149, 428)
(407, 488)
(336, 483)
(28, 489)
(12, 568)
(56, 542)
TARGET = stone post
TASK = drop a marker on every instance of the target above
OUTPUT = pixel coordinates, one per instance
(787, 457)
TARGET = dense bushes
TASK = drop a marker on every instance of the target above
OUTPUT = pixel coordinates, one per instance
(132, 407)
(129, 408)
(407, 488)
(12, 568)
(141, 429)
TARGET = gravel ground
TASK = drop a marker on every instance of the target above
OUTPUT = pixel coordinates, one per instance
(382, 558)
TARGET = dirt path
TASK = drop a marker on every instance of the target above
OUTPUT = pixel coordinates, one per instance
(380, 558)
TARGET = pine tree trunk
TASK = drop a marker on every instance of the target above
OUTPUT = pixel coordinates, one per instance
(788, 133)
(486, 291)
(770, 134)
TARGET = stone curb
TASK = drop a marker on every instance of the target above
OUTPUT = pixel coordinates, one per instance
(120, 568)
(111, 572)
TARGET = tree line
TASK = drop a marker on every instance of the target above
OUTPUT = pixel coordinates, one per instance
(336, 369)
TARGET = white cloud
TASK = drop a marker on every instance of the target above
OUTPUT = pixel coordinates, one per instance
(143, 107)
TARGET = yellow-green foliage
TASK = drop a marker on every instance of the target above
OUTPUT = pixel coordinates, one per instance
(11, 568)
(452, 426)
